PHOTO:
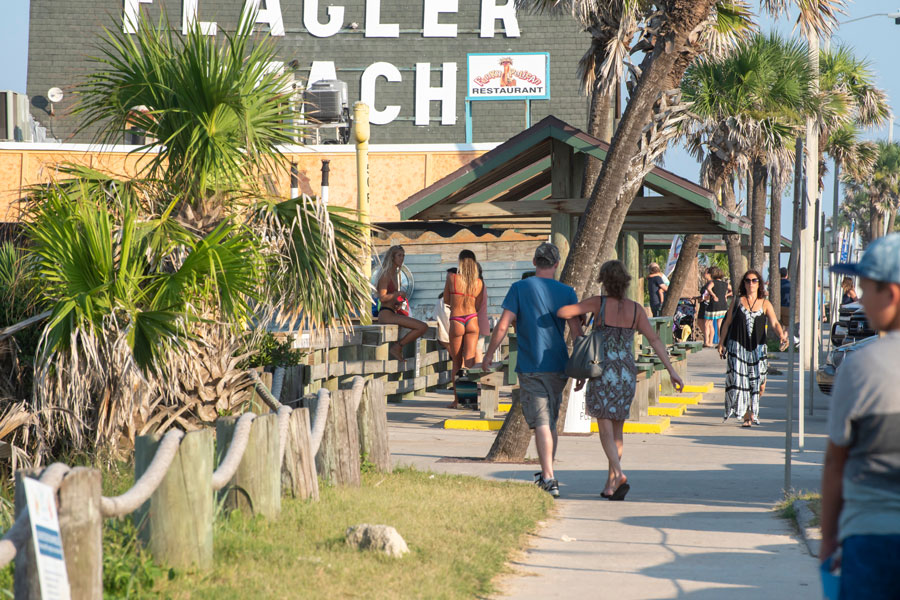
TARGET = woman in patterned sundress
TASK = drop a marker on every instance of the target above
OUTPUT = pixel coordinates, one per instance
(743, 342)
(609, 397)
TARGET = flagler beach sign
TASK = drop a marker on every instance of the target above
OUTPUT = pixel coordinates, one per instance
(509, 76)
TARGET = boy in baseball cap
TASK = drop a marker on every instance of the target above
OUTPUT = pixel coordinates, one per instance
(861, 477)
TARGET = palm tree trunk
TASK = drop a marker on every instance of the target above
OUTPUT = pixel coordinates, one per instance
(775, 249)
(600, 125)
(875, 224)
(732, 240)
(661, 70)
(892, 218)
(760, 177)
(683, 273)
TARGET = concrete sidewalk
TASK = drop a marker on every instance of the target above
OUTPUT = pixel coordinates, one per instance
(698, 522)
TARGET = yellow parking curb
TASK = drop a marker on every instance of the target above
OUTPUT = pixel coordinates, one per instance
(675, 410)
(658, 426)
(695, 399)
(504, 407)
(473, 424)
(701, 388)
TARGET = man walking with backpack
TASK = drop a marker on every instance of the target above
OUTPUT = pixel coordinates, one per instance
(532, 304)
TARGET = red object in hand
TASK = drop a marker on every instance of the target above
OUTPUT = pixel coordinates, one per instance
(402, 306)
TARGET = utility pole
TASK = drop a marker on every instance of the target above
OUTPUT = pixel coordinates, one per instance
(807, 280)
(361, 135)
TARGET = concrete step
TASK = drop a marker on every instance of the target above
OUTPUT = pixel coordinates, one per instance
(671, 410)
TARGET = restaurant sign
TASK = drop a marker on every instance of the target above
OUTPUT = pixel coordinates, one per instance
(509, 76)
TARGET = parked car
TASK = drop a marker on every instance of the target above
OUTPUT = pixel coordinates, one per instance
(851, 325)
(825, 374)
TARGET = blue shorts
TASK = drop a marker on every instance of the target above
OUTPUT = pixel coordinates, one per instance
(869, 567)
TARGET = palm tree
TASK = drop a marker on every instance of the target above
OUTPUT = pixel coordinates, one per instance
(161, 282)
(879, 192)
(748, 106)
(673, 38)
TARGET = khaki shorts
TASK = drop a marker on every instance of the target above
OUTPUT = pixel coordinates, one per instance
(541, 396)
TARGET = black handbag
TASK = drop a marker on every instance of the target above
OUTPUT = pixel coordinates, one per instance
(588, 352)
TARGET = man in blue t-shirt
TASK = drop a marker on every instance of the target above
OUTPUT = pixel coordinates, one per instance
(532, 303)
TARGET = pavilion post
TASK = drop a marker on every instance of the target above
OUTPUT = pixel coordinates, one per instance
(562, 187)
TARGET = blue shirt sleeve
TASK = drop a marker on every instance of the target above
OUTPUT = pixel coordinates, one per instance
(511, 301)
(572, 297)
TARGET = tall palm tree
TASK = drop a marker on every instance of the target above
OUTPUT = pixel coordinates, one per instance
(203, 214)
(748, 106)
(673, 38)
(880, 189)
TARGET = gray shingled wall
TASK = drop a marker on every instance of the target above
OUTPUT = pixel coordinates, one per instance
(64, 34)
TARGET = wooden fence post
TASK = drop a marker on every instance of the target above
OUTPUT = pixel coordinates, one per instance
(337, 460)
(177, 522)
(256, 485)
(371, 418)
(298, 470)
(81, 528)
(25, 583)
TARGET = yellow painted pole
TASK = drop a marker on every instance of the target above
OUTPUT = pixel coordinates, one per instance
(361, 135)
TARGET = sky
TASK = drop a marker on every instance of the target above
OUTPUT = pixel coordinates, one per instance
(876, 39)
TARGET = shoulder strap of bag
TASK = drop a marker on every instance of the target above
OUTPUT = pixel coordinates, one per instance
(602, 311)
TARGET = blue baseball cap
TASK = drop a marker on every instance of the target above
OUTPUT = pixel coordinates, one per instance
(880, 262)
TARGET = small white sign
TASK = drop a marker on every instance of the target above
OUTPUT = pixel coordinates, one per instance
(577, 419)
(510, 76)
(51, 563)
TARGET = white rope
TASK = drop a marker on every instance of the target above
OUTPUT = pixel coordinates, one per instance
(318, 424)
(263, 391)
(278, 381)
(356, 392)
(235, 453)
(143, 488)
(18, 534)
(284, 421)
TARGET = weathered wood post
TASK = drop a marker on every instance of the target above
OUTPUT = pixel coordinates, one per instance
(81, 528)
(337, 460)
(298, 470)
(371, 418)
(177, 522)
(256, 486)
(26, 583)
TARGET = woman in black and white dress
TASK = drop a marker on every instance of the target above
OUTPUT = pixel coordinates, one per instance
(743, 342)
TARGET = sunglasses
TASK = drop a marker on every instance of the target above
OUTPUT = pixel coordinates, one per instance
(754, 280)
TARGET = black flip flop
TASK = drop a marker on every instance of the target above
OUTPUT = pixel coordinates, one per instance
(604, 495)
(620, 492)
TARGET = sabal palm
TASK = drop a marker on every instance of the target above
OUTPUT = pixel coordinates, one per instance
(122, 310)
(748, 107)
(217, 113)
(672, 39)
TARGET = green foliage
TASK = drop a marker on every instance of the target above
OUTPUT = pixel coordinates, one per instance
(270, 352)
(16, 288)
(128, 570)
(217, 110)
(100, 273)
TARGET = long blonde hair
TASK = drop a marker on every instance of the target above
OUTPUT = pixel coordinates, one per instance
(387, 264)
(847, 284)
(468, 274)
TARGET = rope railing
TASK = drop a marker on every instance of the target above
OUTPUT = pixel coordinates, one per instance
(118, 506)
(143, 488)
(18, 534)
(232, 459)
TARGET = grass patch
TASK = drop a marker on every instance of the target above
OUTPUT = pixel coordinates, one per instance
(460, 530)
(787, 510)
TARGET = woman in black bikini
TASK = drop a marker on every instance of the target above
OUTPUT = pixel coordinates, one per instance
(390, 297)
(463, 291)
